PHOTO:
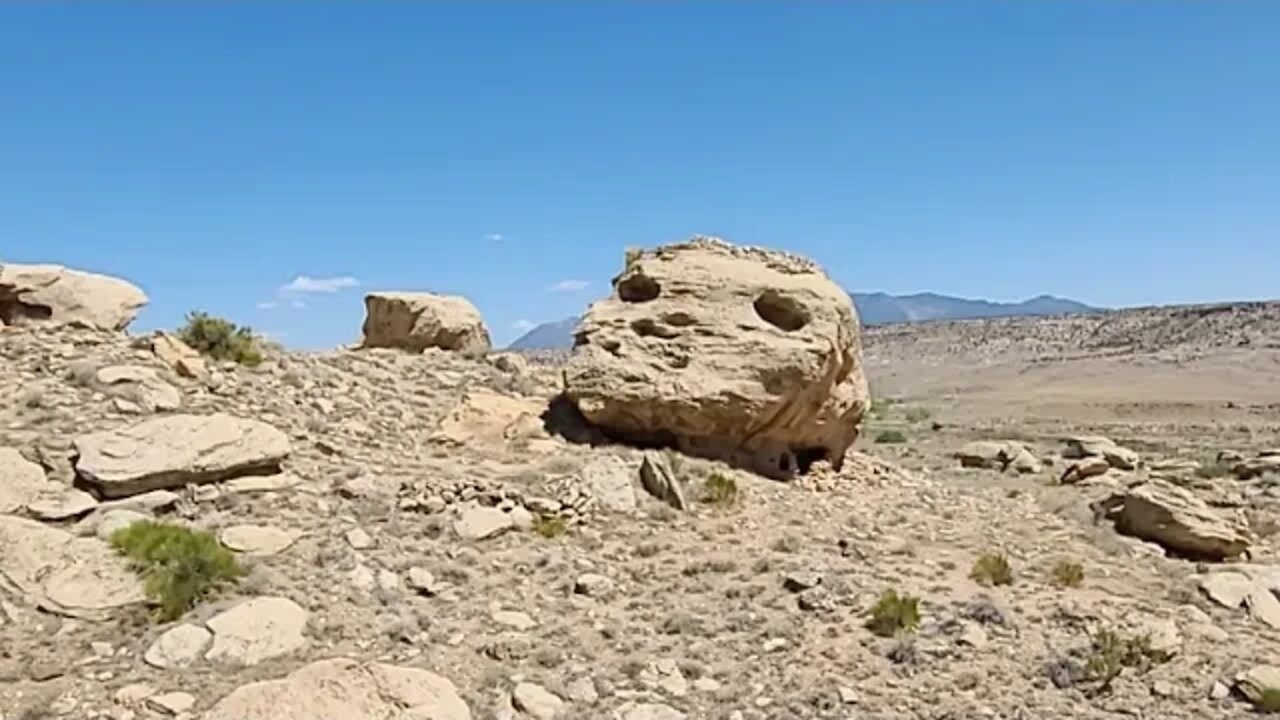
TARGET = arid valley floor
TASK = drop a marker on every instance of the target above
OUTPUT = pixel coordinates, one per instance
(398, 537)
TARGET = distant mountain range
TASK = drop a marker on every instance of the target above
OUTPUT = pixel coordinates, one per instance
(873, 309)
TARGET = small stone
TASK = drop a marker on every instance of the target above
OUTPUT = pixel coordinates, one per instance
(973, 635)
(582, 690)
(521, 519)
(515, 620)
(816, 599)
(113, 520)
(67, 503)
(1163, 688)
(1219, 691)
(178, 647)
(593, 585)
(774, 644)
(801, 581)
(536, 702)
(388, 581)
(1263, 606)
(257, 539)
(1228, 589)
(362, 578)
(172, 703)
(848, 695)
(134, 694)
(358, 539)
(706, 685)
(257, 630)
(261, 483)
(422, 581)
(102, 649)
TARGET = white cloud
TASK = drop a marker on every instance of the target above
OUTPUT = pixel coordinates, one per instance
(493, 237)
(523, 325)
(308, 284)
(266, 305)
(569, 286)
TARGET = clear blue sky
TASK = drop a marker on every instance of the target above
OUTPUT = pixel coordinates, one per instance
(1116, 153)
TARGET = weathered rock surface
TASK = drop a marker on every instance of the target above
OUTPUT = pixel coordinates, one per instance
(1087, 446)
(1176, 519)
(178, 646)
(257, 630)
(21, 481)
(536, 701)
(54, 570)
(609, 480)
(342, 689)
(741, 353)
(257, 539)
(176, 450)
(55, 295)
(999, 456)
(485, 416)
(481, 523)
(184, 360)
(1256, 467)
(1259, 681)
(416, 321)
(658, 479)
(142, 386)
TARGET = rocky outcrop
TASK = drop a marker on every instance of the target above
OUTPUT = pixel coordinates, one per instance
(1176, 519)
(1089, 446)
(184, 359)
(418, 321)
(342, 689)
(55, 295)
(998, 455)
(177, 450)
(744, 354)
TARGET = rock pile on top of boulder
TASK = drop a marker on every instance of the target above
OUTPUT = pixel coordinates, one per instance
(55, 295)
(418, 321)
(745, 354)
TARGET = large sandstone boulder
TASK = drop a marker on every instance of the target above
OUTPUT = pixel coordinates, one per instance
(176, 450)
(417, 321)
(342, 689)
(1176, 519)
(55, 295)
(745, 354)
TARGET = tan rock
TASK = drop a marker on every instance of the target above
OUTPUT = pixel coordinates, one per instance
(998, 455)
(418, 320)
(491, 418)
(482, 523)
(342, 689)
(55, 295)
(1263, 606)
(257, 630)
(1255, 683)
(21, 482)
(184, 359)
(1176, 519)
(1088, 446)
(750, 355)
(609, 480)
(1228, 589)
(142, 386)
(257, 539)
(62, 504)
(1256, 467)
(78, 577)
(178, 647)
(176, 450)
(536, 701)
(1084, 469)
(172, 703)
(658, 479)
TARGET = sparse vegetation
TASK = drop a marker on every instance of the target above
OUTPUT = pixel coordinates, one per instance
(1068, 574)
(1112, 652)
(916, 414)
(1269, 701)
(992, 569)
(221, 339)
(720, 489)
(890, 437)
(893, 614)
(549, 526)
(179, 566)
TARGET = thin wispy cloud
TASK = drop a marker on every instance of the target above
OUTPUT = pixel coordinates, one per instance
(523, 325)
(569, 286)
(308, 284)
(267, 305)
(493, 237)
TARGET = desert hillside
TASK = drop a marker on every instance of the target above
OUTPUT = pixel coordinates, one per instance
(1040, 518)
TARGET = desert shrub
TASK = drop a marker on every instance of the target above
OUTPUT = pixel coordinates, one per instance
(179, 566)
(720, 489)
(1112, 652)
(221, 339)
(894, 613)
(890, 437)
(992, 569)
(1068, 574)
(1269, 701)
(549, 526)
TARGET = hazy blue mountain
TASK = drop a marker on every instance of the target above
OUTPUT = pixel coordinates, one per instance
(873, 309)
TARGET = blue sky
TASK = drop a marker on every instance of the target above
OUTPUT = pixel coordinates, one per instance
(216, 153)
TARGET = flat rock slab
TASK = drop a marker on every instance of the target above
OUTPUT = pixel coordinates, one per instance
(257, 630)
(609, 480)
(177, 450)
(21, 481)
(140, 385)
(257, 539)
(481, 523)
(77, 577)
(55, 295)
(1176, 519)
(343, 689)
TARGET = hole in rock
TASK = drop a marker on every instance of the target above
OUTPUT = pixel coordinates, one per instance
(639, 288)
(780, 311)
(646, 327)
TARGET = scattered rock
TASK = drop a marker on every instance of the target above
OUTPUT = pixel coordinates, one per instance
(184, 360)
(593, 585)
(421, 580)
(746, 354)
(257, 630)
(485, 417)
(514, 619)
(117, 519)
(141, 386)
(1176, 519)
(998, 455)
(261, 483)
(799, 581)
(257, 539)
(660, 481)
(1263, 606)
(61, 505)
(1084, 469)
(343, 689)
(172, 703)
(1087, 446)
(648, 711)
(608, 479)
(417, 321)
(55, 295)
(176, 450)
(1255, 683)
(178, 647)
(1256, 467)
(536, 702)
(21, 481)
(358, 539)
